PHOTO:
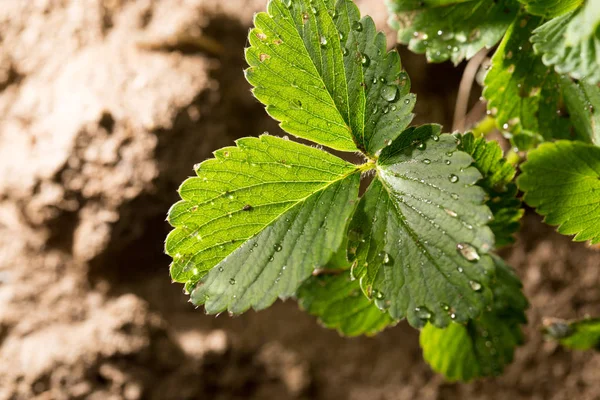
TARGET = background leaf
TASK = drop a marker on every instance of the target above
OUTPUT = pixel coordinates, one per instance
(550, 8)
(523, 94)
(562, 181)
(326, 75)
(583, 103)
(453, 32)
(498, 183)
(289, 201)
(483, 346)
(418, 237)
(571, 43)
(578, 335)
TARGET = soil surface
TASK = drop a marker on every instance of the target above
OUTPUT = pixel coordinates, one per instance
(105, 106)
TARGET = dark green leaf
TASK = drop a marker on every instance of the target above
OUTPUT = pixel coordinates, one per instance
(583, 102)
(498, 183)
(455, 31)
(550, 8)
(419, 237)
(577, 335)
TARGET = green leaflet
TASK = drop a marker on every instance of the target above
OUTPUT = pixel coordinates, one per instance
(418, 239)
(336, 299)
(497, 182)
(289, 201)
(325, 74)
(562, 181)
(483, 346)
(583, 102)
(523, 94)
(454, 32)
(571, 43)
(550, 8)
(579, 335)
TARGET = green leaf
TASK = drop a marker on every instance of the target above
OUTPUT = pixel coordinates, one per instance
(571, 43)
(453, 32)
(338, 302)
(562, 181)
(583, 102)
(326, 75)
(577, 335)
(418, 239)
(550, 8)
(484, 346)
(498, 183)
(289, 202)
(523, 94)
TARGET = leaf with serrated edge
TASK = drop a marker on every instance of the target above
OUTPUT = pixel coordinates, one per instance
(419, 238)
(523, 94)
(550, 8)
(562, 181)
(578, 335)
(583, 102)
(288, 201)
(326, 75)
(453, 32)
(339, 303)
(483, 346)
(497, 182)
(571, 43)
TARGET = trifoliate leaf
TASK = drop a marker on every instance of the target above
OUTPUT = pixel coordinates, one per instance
(257, 220)
(550, 8)
(456, 31)
(339, 303)
(571, 43)
(326, 75)
(419, 238)
(483, 346)
(583, 102)
(497, 182)
(523, 94)
(562, 181)
(577, 335)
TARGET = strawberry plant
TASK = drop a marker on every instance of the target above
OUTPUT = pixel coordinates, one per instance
(271, 218)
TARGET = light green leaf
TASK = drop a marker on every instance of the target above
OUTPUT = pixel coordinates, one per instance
(523, 94)
(562, 181)
(418, 239)
(338, 302)
(498, 183)
(583, 102)
(289, 202)
(453, 32)
(326, 75)
(577, 335)
(550, 8)
(484, 346)
(571, 43)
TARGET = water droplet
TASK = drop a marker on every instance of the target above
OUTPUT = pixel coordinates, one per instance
(448, 162)
(505, 127)
(445, 306)
(435, 138)
(323, 41)
(450, 212)
(271, 258)
(232, 281)
(453, 178)
(389, 93)
(377, 294)
(454, 196)
(357, 26)
(365, 60)
(385, 258)
(421, 146)
(407, 101)
(440, 33)
(423, 313)
(344, 51)
(278, 247)
(427, 161)
(467, 251)
(313, 10)
(220, 269)
(453, 316)
(476, 286)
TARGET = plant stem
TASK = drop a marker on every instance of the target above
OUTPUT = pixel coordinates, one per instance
(487, 125)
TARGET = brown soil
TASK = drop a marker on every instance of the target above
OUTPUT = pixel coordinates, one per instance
(105, 106)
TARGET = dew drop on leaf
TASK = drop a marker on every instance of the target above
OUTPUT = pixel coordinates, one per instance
(467, 251)
(389, 93)
(476, 286)
(423, 313)
(357, 26)
(323, 41)
(365, 60)
(427, 161)
(278, 247)
(453, 178)
(450, 212)
(232, 281)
